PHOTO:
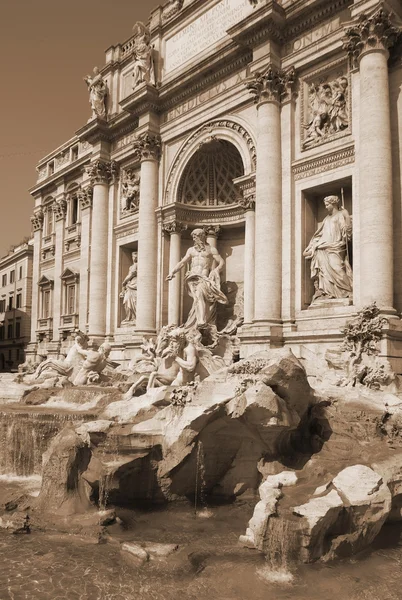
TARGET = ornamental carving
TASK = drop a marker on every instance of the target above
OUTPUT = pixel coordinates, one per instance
(208, 128)
(130, 191)
(101, 171)
(271, 85)
(37, 220)
(248, 202)
(171, 9)
(375, 32)
(173, 227)
(59, 208)
(326, 110)
(85, 197)
(147, 146)
(212, 230)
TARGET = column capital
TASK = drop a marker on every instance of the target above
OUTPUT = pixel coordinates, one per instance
(85, 197)
(59, 207)
(101, 171)
(37, 220)
(212, 230)
(248, 202)
(271, 85)
(375, 32)
(173, 227)
(147, 146)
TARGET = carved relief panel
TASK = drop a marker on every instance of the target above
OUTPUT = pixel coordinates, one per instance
(326, 105)
(129, 192)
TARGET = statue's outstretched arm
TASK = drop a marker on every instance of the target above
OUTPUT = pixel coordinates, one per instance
(179, 265)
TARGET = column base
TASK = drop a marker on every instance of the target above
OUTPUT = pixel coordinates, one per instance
(260, 335)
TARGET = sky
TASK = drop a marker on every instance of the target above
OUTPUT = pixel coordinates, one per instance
(46, 48)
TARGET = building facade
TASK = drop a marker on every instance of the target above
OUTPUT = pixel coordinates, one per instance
(238, 117)
(15, 305)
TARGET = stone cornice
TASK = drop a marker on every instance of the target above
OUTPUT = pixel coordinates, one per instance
(102, 172)
(301, 18)
(147, 146)
(267, 21)
(271, 85)
(51, 182)
(201, 216)
(94, 131)
(377, 31)
(321, 164)
(144, 99)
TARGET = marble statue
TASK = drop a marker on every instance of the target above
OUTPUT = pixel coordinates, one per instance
(93, 365)
(129, 291)
(144, 70)
(328, 252)
(64, 366)
(327, 110)
(130, 191)
(97, 94)
(202, 281)
(177, 360)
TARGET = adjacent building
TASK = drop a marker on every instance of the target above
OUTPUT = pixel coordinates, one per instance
(15, 305)
(239, 117)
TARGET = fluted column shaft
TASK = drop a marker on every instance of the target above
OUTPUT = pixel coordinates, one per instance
(148, 148)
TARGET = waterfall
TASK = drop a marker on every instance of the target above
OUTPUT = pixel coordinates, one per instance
(280, 548)
(25, 436)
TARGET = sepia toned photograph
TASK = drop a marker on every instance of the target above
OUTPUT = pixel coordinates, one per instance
(201, 300)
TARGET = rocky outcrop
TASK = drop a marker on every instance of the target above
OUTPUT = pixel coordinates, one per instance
(64, 491)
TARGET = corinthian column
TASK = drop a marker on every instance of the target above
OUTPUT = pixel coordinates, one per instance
(174, 228)
(59, 210)
(147, 147)
(37, 226)
(100, 174)
(268, 88)
(368, 44)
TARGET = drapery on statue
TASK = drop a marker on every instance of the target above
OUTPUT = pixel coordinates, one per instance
(97, 94)
(143, 70)
(202, 281)
(129, 291)
(327, 250)
(64, 366)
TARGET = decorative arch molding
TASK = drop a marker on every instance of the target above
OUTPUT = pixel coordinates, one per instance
(227, 129)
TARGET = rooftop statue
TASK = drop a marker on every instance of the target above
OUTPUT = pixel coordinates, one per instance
(129, 292)
(202, 281)
(144, 70)
(97, 94)
(328, 252)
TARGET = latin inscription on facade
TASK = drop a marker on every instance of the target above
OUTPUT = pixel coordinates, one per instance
(205, 31)
(205, 95)
(313, 36)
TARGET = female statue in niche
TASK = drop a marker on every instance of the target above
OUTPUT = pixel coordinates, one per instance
(97, 94)
(327, 250)
(129, 292)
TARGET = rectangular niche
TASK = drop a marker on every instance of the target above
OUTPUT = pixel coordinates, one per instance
(313, 215)
(326, 107)
(125, 265)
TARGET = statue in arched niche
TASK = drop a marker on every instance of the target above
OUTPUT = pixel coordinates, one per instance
(328, 251)
(202, 281)
(129, 291)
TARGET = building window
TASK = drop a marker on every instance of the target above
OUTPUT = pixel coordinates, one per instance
(70, 300)
(45, 304)
(20, 273)
(74, 210)
(19, 301)
(49, 221)
(74, 153)
(1, 332)
(18, 354)
(10, 303)
(10, 355)
(50, 168)
(2, 306)
(12, 276)
(9, 331)
(18, 329)
(4, 280)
